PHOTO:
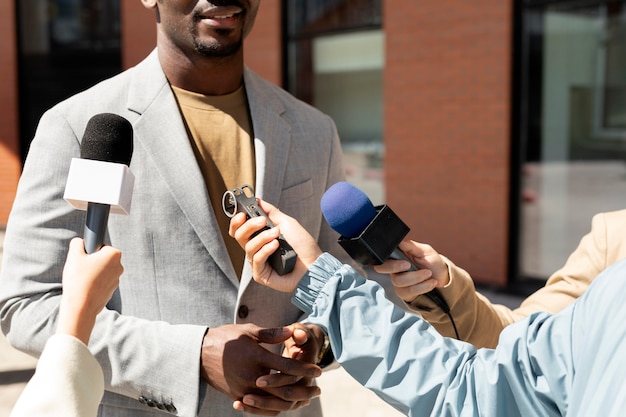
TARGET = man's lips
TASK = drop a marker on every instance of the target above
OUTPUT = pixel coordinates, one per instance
(221, 13)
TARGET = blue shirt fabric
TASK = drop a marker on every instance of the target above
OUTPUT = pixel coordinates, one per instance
(569, 364)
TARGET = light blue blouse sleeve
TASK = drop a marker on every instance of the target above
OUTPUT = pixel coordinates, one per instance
(409, 365)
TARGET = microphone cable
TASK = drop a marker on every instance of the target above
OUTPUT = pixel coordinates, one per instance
(436, 296)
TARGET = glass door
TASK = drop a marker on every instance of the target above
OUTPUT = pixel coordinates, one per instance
(335, 59)
(574, 125)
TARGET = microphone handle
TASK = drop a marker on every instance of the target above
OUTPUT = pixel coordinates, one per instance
(435, 294)
(95, 226)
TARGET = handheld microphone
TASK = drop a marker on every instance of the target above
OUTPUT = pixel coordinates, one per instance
(100, 180)
(369, 234)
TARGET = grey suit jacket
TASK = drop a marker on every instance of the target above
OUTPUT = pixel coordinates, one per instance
(178, 279)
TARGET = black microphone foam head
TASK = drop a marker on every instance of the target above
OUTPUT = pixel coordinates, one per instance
(108, 137)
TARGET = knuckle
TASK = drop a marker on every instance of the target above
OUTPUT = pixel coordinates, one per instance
(288, 393)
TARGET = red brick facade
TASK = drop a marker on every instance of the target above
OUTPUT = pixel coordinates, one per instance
(263, 50)
(447, 127)
(447, 100)
(10, 161)
(138, 32)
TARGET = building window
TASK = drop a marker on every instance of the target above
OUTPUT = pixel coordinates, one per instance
(334, 59)
(574, 95)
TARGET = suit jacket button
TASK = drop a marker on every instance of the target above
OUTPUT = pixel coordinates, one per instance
(142, 399)
(243, 311)
(170, 407)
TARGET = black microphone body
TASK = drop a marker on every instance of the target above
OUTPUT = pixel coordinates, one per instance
(379, 241)
(95, 226)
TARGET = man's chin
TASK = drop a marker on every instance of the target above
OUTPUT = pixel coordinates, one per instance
(217, 49)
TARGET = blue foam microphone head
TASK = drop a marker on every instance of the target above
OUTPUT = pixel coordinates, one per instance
(347, 209)
(369, 234)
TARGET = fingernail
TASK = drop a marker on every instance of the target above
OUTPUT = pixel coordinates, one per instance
(249, 401)
(262, 383)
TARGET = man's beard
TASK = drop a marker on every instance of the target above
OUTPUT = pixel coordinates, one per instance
(216, 50)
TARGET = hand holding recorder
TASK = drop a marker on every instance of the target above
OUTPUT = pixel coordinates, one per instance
(260, 242)
(242, 200)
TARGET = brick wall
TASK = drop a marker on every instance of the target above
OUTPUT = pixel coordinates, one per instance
(263, 50)
(138, 32)
(447, 127)
(10, 162)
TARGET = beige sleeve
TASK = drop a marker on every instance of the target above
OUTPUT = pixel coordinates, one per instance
(573, 279)
(68, 382)
(480, 322)
(476, 319)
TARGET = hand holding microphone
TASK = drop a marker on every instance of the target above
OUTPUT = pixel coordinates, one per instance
(369, 234)
(100, 181)
(410, 283)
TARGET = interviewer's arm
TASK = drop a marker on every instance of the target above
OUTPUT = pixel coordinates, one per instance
(68, 380)
(408, 364)
(480, 322)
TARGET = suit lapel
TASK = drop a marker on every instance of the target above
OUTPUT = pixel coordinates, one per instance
(272, 138)
(161, 131)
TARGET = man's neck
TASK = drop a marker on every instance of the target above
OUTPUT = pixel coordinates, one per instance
(210, 76)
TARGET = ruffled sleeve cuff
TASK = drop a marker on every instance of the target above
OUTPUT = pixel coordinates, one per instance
(314, 280)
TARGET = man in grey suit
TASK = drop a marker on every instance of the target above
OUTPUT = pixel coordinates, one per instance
(183, 333)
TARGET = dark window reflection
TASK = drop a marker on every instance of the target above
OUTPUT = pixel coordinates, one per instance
(309, 18)
(306, 20)
(335, 61)
(64, 46)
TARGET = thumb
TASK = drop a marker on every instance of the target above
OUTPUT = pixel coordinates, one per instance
(272, 212)
(300, 336)
(411, 248)
(77, 246)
